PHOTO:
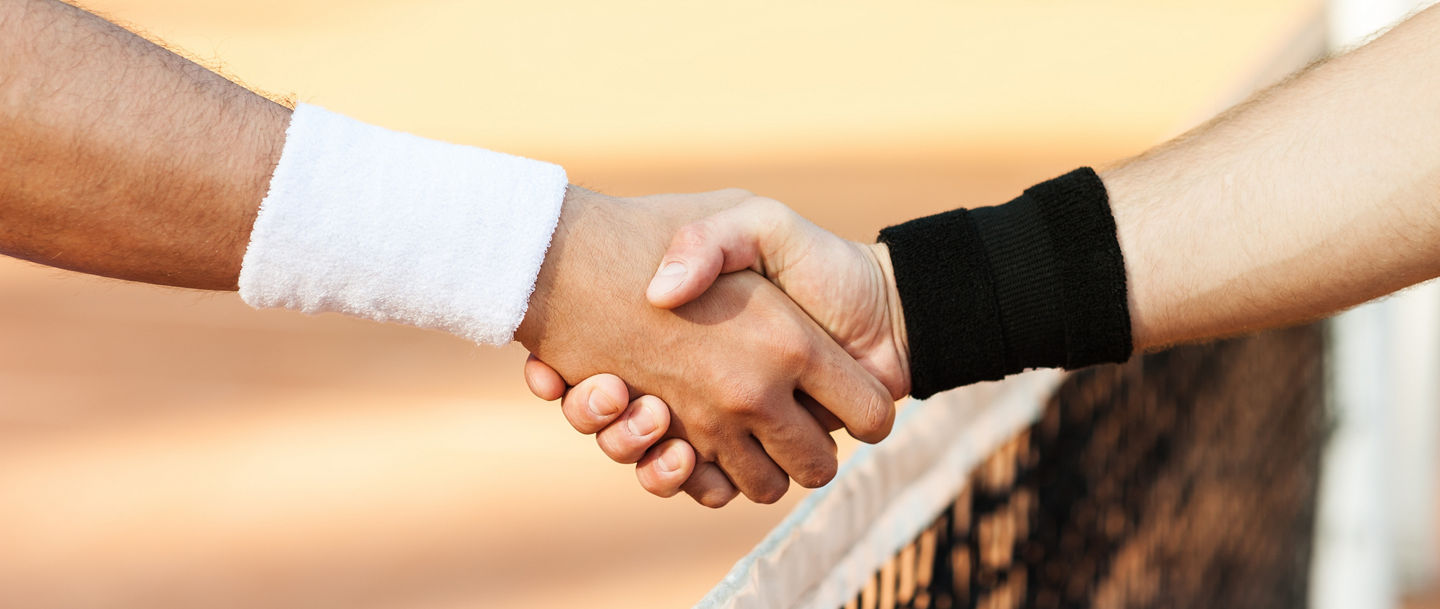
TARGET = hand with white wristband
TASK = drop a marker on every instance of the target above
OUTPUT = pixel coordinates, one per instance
(391, 227)
(848, 288)
(742, 368)
(177, 176)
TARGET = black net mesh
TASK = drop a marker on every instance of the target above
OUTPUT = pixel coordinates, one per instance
(1180, 479)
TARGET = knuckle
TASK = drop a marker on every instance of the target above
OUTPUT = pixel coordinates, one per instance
(709, 493)
(793, 353)
(694, 234)
(876, 419)
(701, 432)
(771, 490)
(775, 212)
(818, 473)
(766, 205)
(713, 499)
(747, 408)
(746, 400)
(735, 192)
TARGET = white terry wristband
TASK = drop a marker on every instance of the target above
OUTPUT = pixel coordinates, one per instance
(393, 227)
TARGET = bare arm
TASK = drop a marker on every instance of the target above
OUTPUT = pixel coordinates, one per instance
(120, 158)
(1319, 194)
(1316, 195)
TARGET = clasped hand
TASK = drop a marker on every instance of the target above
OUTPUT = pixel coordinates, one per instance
(723, 368)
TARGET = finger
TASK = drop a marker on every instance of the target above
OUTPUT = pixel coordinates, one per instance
(797, 443)
(543, 380)
(665, 468)
(845, 389)
(638, 428)
(825, 418)
(709, 486)
(753, 472)
(595, 403)
(726, 242)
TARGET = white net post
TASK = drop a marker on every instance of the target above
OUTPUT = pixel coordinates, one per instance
(1375, 527)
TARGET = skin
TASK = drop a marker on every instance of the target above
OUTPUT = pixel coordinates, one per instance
(120, 158)
(1318, 194)
(742, 368)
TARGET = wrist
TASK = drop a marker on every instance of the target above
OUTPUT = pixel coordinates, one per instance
(391, 227)
(576, 216)
(894, 312)
(1036, 282)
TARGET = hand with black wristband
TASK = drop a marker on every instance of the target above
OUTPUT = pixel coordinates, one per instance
(1313, 196)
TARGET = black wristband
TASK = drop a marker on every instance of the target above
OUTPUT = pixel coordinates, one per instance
(1036, 282)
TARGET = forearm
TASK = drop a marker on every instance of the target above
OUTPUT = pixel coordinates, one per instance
(1316, 195)
(122, 159)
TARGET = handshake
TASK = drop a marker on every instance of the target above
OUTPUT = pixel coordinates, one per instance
(758, 335)
(715, 339)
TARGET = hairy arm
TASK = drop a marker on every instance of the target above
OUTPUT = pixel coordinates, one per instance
(120, 158)
(1318, 194)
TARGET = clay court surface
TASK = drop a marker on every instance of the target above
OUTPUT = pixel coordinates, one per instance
(165, 448)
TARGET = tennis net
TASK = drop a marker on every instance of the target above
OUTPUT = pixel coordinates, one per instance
(1181, 479)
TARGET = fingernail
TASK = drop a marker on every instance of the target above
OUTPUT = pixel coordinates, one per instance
(668, 278)
(601, 405)
(642, 423)
(667, 462)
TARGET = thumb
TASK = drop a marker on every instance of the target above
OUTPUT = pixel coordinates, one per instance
(701, 251)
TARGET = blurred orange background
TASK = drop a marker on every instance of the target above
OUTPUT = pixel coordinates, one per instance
(165, 448)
